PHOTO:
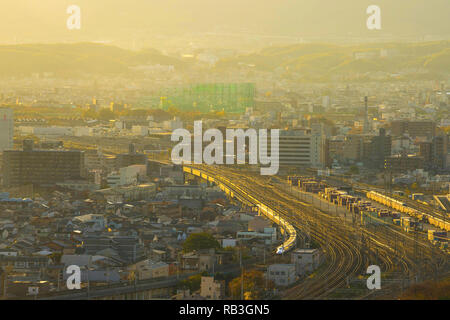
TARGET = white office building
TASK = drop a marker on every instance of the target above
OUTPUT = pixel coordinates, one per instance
(299, 148)
(126, 175)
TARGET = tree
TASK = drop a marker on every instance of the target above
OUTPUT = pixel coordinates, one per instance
(428, 290)
(254, 286)
(56, 257)
(173, 111)
(192, 283)
(354, 170)
(198, 241)
(89, 114)
(106, 114)
(159, 115)
(141, 113)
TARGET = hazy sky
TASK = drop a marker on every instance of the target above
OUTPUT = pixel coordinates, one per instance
(45, 20)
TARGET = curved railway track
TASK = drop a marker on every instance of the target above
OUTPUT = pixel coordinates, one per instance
(340, 242)
(344, 258)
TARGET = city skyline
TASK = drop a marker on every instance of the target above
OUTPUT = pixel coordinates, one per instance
(224, 155)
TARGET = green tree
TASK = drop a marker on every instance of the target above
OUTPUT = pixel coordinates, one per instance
(354, 170)
(254, 286)
(106, 114)
(56, 257)
(192, 283)
(428, 290)
(142, 113)
(89, 114)
(198, 241)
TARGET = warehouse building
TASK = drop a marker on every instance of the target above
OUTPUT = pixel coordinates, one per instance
(305, 260)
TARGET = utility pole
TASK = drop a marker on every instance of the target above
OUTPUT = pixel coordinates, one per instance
(415, 243)
(264, 253)
(135, 287)
(88, 285)
(242, 274)
(59, 275)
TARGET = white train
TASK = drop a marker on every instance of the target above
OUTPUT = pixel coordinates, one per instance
(233, 190)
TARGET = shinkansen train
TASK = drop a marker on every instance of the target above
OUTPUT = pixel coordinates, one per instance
(235, 191)
(404, 208)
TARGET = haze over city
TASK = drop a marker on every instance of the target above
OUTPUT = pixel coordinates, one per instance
(147, 23)
(224, 150)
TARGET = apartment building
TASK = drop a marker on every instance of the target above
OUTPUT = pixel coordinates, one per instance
(41, 167)
(212, 289)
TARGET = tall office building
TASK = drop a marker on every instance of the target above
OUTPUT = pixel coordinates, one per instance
(6, 129)
(300, 148)
(439, 152)
(377, 150)
(41, 167)
(366, 126)
(317, 145)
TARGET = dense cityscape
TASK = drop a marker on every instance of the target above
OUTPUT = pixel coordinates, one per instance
(89, 181)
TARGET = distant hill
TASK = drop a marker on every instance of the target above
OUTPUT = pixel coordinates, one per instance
(308, 59)
(331, 59)
(73, 59)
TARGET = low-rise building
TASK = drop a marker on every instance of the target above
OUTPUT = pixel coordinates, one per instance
(258, 224)
(404, 163)
(269, 235)
(148, 269)
(305, 260)
(212, 289)
(127, 175)
(128, 193)
(282, 274)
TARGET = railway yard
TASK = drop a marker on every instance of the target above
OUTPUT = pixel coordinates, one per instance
(350, 240)
(350, 236)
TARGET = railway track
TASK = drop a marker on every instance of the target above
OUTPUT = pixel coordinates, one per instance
(342, 253)
(345, 253)
(343, 257)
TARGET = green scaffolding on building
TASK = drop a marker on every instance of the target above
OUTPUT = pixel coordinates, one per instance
(232, 98)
